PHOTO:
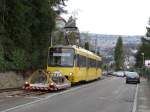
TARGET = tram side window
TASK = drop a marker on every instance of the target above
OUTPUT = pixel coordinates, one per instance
(94, 63)
(91, 62)
(81, 61)
(99, 64)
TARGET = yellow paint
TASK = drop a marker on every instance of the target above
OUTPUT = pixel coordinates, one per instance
(79, 74)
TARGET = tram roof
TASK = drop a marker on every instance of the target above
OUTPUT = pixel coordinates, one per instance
(82, 51)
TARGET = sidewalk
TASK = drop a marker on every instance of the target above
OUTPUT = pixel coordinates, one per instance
(143, 100)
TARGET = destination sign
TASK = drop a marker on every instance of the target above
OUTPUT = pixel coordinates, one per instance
(62, 54)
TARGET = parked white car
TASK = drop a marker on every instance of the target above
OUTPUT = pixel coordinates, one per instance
(119, 73)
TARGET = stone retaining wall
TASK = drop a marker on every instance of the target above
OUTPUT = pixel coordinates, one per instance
(10, 80)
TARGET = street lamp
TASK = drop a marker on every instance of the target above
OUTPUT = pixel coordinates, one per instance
(143, 63)
(142, 57)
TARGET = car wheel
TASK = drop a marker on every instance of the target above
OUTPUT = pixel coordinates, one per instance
(126, 82)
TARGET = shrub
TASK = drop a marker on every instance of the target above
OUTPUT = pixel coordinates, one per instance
(19, 59)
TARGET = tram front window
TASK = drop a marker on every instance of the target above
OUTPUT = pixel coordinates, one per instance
(61, 57)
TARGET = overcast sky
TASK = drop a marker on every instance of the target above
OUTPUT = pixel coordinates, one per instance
(123, 17)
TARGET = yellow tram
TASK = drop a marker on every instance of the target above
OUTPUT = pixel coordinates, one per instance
(75, 63)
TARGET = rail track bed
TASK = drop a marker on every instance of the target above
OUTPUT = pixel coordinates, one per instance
(18, 92)
(9, 90)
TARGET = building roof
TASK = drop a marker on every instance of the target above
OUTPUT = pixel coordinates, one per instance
(60, 18)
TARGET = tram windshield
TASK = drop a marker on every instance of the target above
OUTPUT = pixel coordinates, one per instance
(62, 57)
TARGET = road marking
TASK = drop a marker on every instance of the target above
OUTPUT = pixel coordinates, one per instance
(33, 97)
(50, 96)
(135, 99)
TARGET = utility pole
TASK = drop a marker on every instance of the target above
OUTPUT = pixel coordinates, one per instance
(50, 39)
(92, 42)
(96, 45)
(4, 5)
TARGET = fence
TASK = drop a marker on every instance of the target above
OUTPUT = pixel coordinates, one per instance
(144, 72)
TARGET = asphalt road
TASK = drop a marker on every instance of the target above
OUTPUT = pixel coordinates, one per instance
(108, 95)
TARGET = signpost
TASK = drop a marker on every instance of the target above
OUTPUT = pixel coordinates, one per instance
(147, 63)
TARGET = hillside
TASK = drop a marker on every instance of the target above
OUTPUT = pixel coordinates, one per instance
(109, 40)
(106, 43)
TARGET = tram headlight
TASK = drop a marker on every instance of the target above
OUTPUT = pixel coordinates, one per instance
(70, 73)
(52, 84)
(48, 72)
(70, 76)
(26, 84)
